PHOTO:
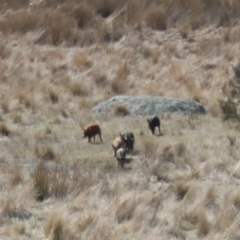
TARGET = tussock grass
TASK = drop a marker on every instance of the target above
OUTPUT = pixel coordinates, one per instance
(16, 175)
(189, 220)
(83, 15)
(180, 149)
(99, 78)
(168, 153)
(4, 130)
(180, 185)
(156, 18)
(5, 106)
(120, 83)
(150, 53)
(121, 110)
(27, 101)
(5, 52)
(181, 189)
(77, 89)
(225, 218)
(53, 96)
(191, 193)
(125, 210)
(81, 60)
(210, 198)
(184, 31)
(17, 118)
(15, 4)
(44, 153)
(40, 178)
(235, 198)
(203, 224)
(20, 228)
(106, 7)
(150, 146)
(57, 226)
(52, 181)
(21, 21)
(229, 109)
(85, 221)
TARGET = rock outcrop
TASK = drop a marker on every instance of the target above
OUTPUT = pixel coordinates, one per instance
(149, 105)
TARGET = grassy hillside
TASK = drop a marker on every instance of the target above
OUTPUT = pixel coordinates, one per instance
(58, 59)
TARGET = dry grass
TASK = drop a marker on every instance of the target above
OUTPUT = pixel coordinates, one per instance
(181, 189)
(26, 100)
(156, 18)
(57, 226)
(150, 146)
(81, 60)
(58, 60)
(203, 224)
(120, 82)
(77, 89)
(45, 153)
(121, 110)
(4, 130)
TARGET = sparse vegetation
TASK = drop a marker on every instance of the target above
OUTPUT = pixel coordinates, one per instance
(150, 146)
(53, 96)
(121, 110)
(4, 130)
(77, 89)
(45, 153)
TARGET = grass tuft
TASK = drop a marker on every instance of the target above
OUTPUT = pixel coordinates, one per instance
(45, 153)
(120, 82)
(40, 177)
(81, 60)
(229, 109)
(83, 15)
(125, 210)
(57, 226)
(53, 96)
(150, 146)
(203, 224)
(4, 130)
(156, 18)
(25, 100)
(181, 189)
(77, 89)
(121, 110)
(235, 199)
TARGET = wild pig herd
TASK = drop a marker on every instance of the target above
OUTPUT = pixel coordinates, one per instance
(124, 143)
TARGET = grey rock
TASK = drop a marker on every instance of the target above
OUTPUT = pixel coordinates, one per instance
(150, 105)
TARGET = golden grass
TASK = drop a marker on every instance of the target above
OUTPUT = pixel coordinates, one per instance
(58, 60)
(81, 60)
(57, 226)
